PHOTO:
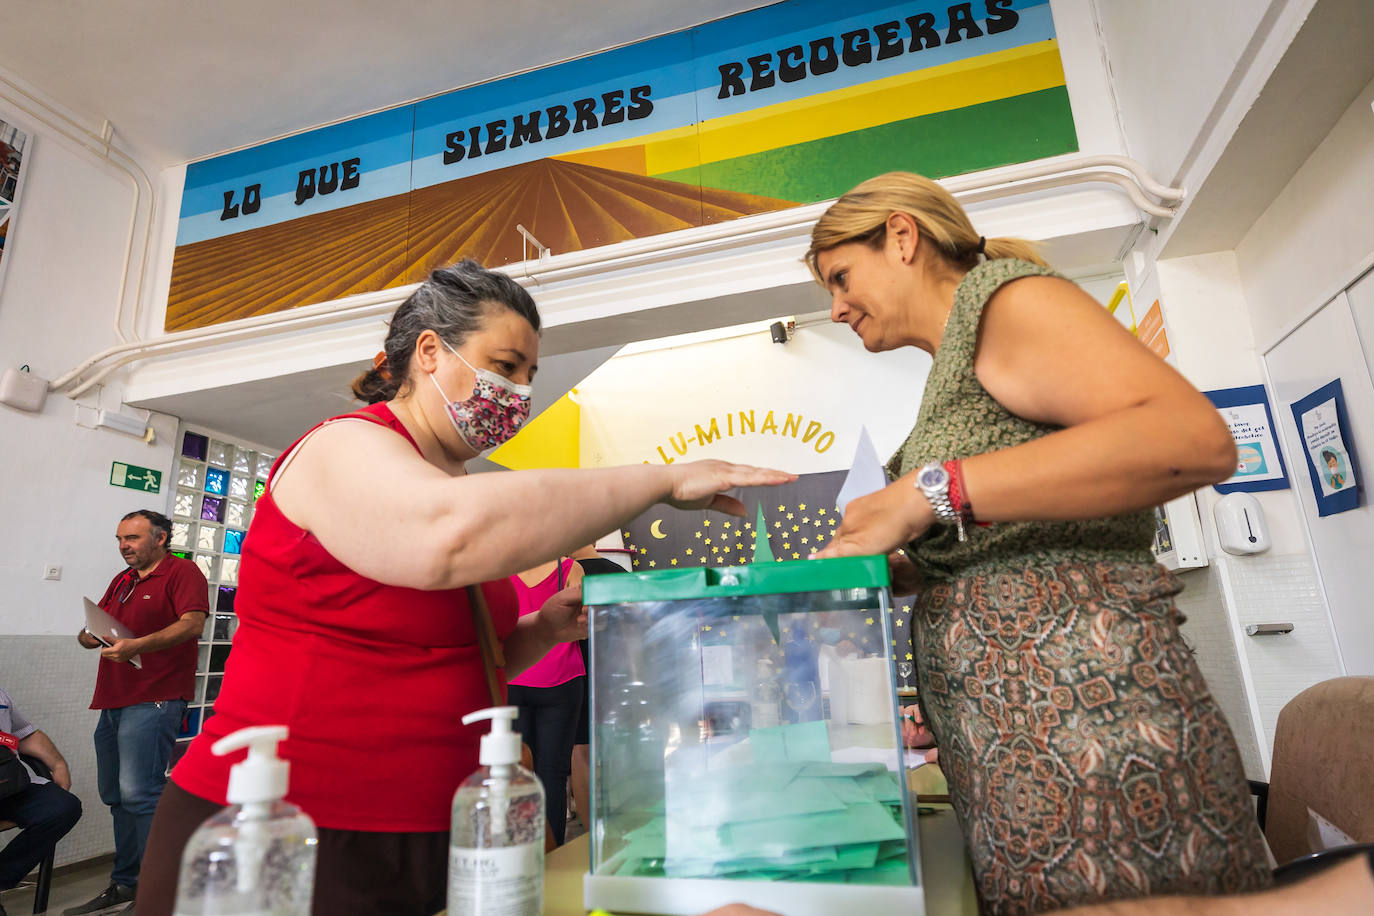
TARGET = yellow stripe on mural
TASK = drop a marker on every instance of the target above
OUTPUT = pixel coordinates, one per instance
(985, 78)
(956, 85)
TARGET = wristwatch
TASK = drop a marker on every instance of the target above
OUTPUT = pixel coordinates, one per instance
(933, 482)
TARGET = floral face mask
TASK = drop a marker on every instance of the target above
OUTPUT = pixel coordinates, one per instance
(494, 412)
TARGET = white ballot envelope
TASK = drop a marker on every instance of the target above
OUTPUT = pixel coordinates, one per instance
(106, 629)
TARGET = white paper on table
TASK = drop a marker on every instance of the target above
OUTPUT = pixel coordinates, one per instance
(911, 757)
(106, 629)
(883, 755)
(866, 474)
(914, 758)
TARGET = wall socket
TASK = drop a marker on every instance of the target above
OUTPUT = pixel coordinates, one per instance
(52, 571)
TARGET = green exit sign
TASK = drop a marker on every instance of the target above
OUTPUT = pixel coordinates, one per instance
(135, 477)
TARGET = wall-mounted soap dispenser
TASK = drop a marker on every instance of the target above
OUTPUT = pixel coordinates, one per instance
(1241, 528)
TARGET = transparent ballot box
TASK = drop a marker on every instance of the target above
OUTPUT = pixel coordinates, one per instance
(745, 742)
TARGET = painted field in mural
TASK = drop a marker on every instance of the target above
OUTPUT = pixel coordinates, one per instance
(568, 206)
(786, 105)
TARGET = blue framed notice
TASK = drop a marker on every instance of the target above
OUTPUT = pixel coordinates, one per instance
(1259, 462)
(1324, 428)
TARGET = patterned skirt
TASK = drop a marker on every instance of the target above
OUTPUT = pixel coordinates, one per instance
(1086, 759)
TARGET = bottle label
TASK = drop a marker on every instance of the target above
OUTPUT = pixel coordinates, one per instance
(496, 882)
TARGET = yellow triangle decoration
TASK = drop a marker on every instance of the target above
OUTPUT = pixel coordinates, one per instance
(550, 440)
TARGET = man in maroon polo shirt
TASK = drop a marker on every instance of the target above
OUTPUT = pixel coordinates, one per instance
(164, 600)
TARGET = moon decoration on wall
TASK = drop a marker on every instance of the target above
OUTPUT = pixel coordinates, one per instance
(656, 529)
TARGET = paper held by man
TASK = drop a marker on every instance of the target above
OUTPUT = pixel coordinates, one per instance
(106, 629)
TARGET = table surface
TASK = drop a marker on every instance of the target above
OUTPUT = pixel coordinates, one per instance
(944, 864)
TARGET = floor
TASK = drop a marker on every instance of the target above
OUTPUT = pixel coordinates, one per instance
(68, 889)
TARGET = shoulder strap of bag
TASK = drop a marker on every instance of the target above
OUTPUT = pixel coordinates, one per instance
(487, 644)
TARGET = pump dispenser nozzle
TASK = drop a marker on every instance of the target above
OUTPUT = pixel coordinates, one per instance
(262, 776)
(500, 746)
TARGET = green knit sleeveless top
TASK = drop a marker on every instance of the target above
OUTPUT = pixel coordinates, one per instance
(959, 419)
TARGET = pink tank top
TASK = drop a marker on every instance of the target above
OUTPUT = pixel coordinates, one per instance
(564, 661)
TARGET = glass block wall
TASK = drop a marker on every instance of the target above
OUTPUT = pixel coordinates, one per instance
(218, 482)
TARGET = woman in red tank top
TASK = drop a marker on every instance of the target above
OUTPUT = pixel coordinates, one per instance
(354, 624)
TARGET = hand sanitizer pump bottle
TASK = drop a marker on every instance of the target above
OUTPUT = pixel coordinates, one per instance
(496, 848)
(257, 856)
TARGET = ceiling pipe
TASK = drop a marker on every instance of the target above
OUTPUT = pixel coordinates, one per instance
(757, 229)
(1060, 181)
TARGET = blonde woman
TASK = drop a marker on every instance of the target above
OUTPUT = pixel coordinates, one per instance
(1086, 758)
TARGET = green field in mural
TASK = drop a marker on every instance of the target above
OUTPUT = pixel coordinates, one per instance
(1003, 132)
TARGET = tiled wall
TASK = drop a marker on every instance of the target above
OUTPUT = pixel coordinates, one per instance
(1208, 630)
(51, 680)
(1281, 589)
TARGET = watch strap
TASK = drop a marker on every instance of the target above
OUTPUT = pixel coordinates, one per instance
(939, 498)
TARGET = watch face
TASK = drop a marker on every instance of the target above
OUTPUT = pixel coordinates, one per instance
(935, 477)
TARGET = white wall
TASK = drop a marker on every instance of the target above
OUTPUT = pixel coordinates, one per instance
(1313, 240)
(1171, 62)
(56, 308)
(1327, 347)
(1210, 335)
(1318, 234)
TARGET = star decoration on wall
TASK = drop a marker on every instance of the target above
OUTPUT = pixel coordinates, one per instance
(798, 527)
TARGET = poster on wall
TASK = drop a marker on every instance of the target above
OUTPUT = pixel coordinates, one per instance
(13, 143)
(1324, 429)
(772, 108)
(1259, 463)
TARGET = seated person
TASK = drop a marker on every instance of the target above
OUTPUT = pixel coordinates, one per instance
(44, 809)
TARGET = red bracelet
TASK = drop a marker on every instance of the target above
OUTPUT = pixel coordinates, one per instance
(958, 496)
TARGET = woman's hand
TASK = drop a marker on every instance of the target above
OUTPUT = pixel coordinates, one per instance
(915, 732)
(881, 522)
(563, 617)
(906, 578)
(701, 484)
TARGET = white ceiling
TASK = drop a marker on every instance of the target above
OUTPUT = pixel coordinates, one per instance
(1325, 68)
(183, 80)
